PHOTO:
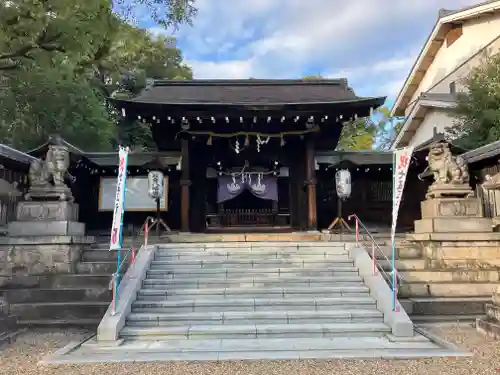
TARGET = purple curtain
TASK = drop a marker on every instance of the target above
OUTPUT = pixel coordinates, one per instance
(265, 187)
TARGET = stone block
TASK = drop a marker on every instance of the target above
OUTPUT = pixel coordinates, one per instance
(41, 228)
(66, 312)
(496, 296)
(47, 211)
(448, 306)
(447, 190)
(451, 275)
(54, 281)
(455, 237)
(46, 240)
(466, 264)
(450, 289)
(451, 207)
(453, 225)
(40, 258)
(466, 252)
(488, 328)
(493, 312)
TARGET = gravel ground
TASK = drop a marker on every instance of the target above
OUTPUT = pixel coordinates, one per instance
(22, 356)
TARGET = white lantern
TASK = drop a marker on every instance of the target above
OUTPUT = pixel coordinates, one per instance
(156, 186)
(343, 183)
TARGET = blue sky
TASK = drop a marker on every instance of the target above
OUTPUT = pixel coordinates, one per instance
(372, 43)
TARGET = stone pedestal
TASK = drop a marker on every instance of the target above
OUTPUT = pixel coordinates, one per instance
(46, 191)
(46, 218)
(490, 325)
(45, 238)
(448, 190)
(452, 215)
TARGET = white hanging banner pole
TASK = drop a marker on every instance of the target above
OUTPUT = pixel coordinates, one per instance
(402, 158)
(119, 206)
(401, 164)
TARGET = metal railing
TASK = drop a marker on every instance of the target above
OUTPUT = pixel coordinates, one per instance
(122, 261)
(392, 277)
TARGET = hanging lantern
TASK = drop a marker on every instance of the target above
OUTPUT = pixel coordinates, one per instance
(156, 186)
(343, 183)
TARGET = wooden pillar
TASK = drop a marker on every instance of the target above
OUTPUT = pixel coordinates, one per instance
(185, 183)
(197, 195)
(296, 187)
(291, 195)
(312, 221)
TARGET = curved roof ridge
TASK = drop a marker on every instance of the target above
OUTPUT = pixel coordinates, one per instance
(251, 82)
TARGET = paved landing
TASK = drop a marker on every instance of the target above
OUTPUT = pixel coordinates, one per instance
(387, 347)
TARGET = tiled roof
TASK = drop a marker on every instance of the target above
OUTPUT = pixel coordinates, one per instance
(15, 155)
(250, 91)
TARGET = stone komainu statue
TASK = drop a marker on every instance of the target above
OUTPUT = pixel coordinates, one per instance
(47, 176)
(446, 168)
(52, 169)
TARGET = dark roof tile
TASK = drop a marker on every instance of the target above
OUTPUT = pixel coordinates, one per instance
(250, 91)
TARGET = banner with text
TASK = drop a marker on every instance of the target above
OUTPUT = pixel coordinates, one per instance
(118, 208)
(402, 158)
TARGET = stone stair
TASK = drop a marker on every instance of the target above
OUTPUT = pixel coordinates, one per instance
(280, 290)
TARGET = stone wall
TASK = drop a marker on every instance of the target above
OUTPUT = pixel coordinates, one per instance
(490, 325)
(454, 274)
(30, 256)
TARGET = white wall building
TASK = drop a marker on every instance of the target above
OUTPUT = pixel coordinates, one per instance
(459, 42)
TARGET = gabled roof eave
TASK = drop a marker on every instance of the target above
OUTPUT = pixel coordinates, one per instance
(460, 15)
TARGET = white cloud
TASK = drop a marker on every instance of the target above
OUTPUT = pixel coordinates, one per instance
(371, 42)
(225, 69)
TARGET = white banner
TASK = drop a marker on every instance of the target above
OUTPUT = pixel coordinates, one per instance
(118, 208)
(402, 158)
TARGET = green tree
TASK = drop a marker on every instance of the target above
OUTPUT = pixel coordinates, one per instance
(357, 135)
(135, 55)
(478, 108)
(375, 132)
(29, 28)
(45, 101)
(312, 78)
(57, 74)
(386, 128)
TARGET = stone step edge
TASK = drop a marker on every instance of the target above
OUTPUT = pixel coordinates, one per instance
(71, 289)
(72, 303)
(250, 256)
(250, 244)
(277, 344)
(263, 290)
(203, 302)
(437, 319)
(136, 317)
(54, 275)
(251, 264)
(449, 282)
(60, 322)
(254, 328)
(447, 299)
(349, 278)
(202, 270)
(150, 356)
